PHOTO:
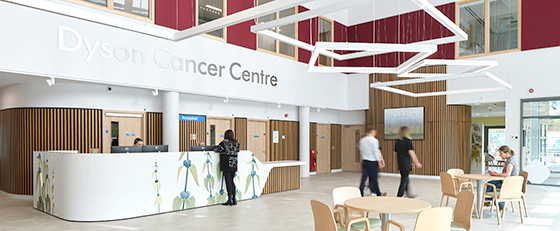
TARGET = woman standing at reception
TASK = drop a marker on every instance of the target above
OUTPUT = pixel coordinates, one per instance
(228, 149)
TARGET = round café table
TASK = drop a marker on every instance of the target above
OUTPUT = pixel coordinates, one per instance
(480, 179)
(387, 206)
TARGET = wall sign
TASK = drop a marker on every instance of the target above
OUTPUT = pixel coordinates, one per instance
(275, 137)
(192, 118)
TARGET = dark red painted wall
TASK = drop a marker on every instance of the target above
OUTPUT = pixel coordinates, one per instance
(539, 24)
(166, 12)
(413, 27)
(339, 35)
(361, 33)
(241, 34)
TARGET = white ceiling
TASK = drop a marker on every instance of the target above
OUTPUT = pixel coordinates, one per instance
(492, 109)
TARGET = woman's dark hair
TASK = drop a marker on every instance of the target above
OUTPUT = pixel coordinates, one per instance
(230, 136)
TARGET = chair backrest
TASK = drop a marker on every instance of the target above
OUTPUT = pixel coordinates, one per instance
(342, 194)
(462, 215)
(322, 214)
(447, 183)
(455, 171)
(511, 187)
(434, 219)
(525, 176)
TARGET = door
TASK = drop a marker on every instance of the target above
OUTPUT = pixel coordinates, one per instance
(351, 135)
(336, 147)
(121, 128)
(256, 138)
(215, 129)
(323, 148)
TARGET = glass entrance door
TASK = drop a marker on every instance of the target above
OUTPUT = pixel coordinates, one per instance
(541, 136)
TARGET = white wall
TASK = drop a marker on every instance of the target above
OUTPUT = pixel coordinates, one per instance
(84, 95)
(537, 69)
(44, 46)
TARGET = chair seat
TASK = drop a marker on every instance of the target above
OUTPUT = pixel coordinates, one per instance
(492, 194)
(455, 226)
(463, 189)
(373, 222)
(344, 228)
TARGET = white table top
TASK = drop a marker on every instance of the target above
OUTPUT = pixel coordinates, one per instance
(479, 177)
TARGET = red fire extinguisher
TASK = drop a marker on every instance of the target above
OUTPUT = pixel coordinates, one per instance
(313, 159)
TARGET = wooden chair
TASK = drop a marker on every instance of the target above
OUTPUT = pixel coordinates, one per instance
(510, 192)
(342, 194)
(525, 176)
(449, 189)
(456, 171)
(462, 215)
(434, 219)
(324, 218)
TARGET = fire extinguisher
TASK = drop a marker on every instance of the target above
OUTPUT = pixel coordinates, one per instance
(313, 159)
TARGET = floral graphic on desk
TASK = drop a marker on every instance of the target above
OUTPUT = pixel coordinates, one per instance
(185, 200)
(45, 202)
(157, 187)
(251, 177)
(209, 180)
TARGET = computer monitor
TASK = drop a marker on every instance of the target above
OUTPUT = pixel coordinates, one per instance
(202, 148)
(125, 149)
(155, 148)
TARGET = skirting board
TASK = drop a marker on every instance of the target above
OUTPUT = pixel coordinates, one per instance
(16, 196)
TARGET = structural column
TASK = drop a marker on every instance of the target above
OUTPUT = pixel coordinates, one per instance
(170, 108)
(304, 140)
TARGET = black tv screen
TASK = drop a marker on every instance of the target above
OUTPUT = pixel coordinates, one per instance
(155, 148)
(126, 149)
(202, 148)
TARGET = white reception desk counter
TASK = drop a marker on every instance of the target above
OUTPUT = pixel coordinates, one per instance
(100, 187)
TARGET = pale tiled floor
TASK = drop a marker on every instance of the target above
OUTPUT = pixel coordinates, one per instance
(285, 211)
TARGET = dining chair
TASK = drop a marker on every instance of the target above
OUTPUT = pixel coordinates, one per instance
(456, 171)
(324, 218)
(462, 214)
(510, 192)
(342, 194)
(434, 219)
(525, 176)
(448, 188)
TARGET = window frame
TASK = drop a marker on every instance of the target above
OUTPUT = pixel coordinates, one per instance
(332, 38)
(277, 43)
(110, 8)
(487, 30)
(224, 39)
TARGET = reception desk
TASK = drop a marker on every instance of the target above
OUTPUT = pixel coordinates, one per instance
(100, 187)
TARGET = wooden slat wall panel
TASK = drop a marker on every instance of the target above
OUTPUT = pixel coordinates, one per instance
(446, 127)
(186, 128)
(283, 179)
(154, 128)
(288, 148)
(241, 132)
(336, 144)
(24, 130)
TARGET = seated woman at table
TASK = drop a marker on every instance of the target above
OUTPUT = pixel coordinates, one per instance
(510, 168)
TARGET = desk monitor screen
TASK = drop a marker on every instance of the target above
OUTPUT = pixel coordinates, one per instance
(202, 148)
(155, 148)
(125, 149)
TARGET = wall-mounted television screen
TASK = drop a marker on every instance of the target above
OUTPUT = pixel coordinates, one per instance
(395, 118)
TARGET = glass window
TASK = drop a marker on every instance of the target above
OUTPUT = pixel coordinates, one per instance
(325, 35)
(492, 26)
(272, 45)
(209, 10)
(471, 20)
(137, 7)
(503, 25)
(541, 137)
(495, 138)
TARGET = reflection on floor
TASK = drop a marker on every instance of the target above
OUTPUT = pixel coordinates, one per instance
(286, 210)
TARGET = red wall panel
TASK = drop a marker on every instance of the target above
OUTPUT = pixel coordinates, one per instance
(240, 34)
(539, 24)
(176, 14)
(361, 33)
(340, 36)
(304, 36)
(413, 27)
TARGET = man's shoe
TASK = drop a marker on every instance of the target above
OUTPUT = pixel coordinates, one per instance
(384, 194)
(233, 201)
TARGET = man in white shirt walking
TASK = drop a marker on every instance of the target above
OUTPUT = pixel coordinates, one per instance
(372, 161)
